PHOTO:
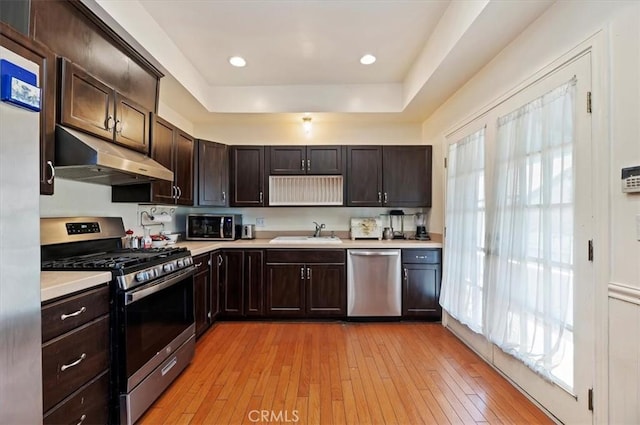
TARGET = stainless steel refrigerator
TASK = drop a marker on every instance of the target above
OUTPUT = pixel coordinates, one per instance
(20, 332)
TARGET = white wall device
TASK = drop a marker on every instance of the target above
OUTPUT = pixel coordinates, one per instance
(631, 179)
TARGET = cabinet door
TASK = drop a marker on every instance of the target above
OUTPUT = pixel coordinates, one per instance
(132, 124)
(232, 283)
(254, 282)
(407, 176)
(364, 176)
(421, 291)
(325, 160)
(183, 167)
(213, 174)
(285, 290)
(326, 290)
(87, 104)
(214, 291)
(201, 301)
(247, 176)
(162, 152)
(287, 160)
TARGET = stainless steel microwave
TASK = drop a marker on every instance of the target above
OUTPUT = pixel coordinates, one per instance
(213, 227)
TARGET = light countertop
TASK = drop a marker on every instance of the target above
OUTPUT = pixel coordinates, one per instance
(58, 284)
(198, 248)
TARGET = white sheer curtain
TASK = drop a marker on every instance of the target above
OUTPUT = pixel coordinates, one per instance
(462, 280)
(529, 310)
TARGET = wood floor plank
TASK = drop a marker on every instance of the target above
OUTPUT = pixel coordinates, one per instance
(339, 373)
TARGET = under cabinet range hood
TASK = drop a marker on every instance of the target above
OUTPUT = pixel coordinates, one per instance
(86, 158)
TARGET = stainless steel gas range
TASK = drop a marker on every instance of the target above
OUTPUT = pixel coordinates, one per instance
(152, 320)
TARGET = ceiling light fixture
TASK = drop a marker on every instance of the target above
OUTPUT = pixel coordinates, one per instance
(306, 125)
(237, 61)
(367, 59)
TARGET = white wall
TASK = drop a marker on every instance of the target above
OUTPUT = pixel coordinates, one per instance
(617, 110)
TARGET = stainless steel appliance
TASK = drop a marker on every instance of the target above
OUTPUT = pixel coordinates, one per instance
(207, 227)
(20, 329)
(248, 231)
(153, 327)
(374, 285)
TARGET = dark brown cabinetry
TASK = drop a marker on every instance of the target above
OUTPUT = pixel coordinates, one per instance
(296, 160)
(307, 283)
(248, 187)
(421, 278)
(214, 293)
(394, 176)
(75, 358)
(241, 283)
(92, 106)
(172, 148)
(201, 296)
(45, 59)
(212, 174)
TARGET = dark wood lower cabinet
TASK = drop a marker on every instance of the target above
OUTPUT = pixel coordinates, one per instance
(88, 405)
(305, 284)
(422, 275)
(201, 298)
(231, 276)
(254, 282)
(214, 293)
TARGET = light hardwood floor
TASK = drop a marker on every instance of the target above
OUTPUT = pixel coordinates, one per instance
(339, 373)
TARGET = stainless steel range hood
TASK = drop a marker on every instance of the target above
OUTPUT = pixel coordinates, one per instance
(86, 158)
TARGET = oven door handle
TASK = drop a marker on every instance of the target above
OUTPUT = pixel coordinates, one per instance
(138, 294)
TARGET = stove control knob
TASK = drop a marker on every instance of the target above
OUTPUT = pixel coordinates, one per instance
(142, 276)
(180, 263)
(188, 261)
(168, 267)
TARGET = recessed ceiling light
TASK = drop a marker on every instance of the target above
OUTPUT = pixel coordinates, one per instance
(367, 59)
(237, 61)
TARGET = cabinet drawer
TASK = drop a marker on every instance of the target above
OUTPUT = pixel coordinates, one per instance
(72, 360)
(88, 405)
(69, 313)
(421, 256)
(306, 256)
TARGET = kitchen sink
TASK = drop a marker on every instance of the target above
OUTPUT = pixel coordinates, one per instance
(306, 239)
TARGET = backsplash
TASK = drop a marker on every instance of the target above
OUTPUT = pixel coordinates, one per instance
(74, 198)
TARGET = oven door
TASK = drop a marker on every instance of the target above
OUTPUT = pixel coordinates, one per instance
(158, 319)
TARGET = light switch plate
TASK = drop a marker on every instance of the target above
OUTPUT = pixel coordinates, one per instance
(260, 222)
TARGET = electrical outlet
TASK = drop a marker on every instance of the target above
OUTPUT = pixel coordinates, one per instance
(260, 222)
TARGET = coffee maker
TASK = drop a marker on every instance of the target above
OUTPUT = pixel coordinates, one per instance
(421, 227)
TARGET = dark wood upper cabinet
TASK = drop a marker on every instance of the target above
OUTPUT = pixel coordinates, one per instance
(92, 106)
(213, 174)
(406, 172)
(248, 187)
(364, 176)
(45, 59)
(183, 167)
(162, 152)
(390, 176)
(296, 160)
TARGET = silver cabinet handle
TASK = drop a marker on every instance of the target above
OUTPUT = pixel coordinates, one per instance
(209, 262)
(308, 165)
(173, 192)
(74, 314)
(82, 418)
(224, 196)
(76, 363)
(406, 274)
(302, 164)
(109, 123)
(385, 197)
(302, 273)
(179, 191)
(118, 127)
(261, 197)
(308, 273)
(379, 197)
(199, 264)
(219, 260)
(53, 172)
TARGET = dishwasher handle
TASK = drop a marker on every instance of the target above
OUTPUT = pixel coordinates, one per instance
(374, 253)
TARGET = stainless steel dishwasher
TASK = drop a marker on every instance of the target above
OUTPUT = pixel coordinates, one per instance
(374, 284)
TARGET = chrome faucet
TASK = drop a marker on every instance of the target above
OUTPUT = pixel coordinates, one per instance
(319, 228)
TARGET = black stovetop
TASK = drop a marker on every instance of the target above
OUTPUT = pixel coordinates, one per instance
(120, 259)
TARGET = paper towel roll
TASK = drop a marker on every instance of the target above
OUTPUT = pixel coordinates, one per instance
(161, 218)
